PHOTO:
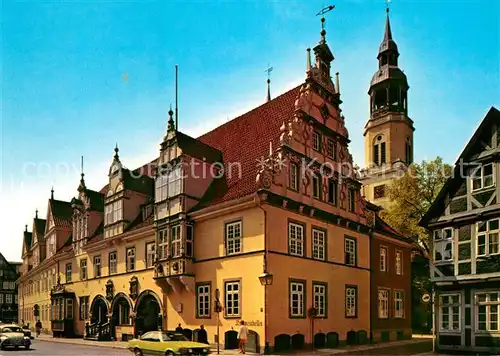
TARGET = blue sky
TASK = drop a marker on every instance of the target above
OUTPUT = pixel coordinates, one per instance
(64, 93)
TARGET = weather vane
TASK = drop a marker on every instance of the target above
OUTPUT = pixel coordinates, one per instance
(269, 70)
(322, 12)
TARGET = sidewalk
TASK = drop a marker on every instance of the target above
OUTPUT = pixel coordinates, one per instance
(358, 349)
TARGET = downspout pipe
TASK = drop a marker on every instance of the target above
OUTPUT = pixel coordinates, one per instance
(267, 348)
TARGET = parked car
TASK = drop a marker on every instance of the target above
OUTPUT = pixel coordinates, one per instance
(166, 343)
(27, 332)
(13, 336)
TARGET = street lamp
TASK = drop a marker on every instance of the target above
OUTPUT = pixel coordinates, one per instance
(266, 279)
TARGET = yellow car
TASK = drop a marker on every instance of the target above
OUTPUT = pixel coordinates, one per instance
(160, 343)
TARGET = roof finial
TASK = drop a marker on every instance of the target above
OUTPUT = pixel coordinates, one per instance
(26, 228)
(52, 193)
(176, 98)
(171, 125)
(268, 70)
(116, 157)
(308, 60)
(322, 12)
(388, 32)
(82, 180)
(337, 82)
(36, 214)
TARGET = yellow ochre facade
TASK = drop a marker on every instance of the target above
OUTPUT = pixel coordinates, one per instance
(261, 220)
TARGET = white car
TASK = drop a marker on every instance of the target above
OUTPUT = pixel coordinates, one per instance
(13, 336)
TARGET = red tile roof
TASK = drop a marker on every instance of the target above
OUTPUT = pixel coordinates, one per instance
(246, 139)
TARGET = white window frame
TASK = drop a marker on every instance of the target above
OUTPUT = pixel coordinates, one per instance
(176, 241)
(150, 254)
(320, 295)
(113, 212)
(399, 304)
(383, 303)
(130, 255)
(97, 266)
(203, 302)
(450, 311)
(443, 237)
(351, 296)
(350, 248)
(316, 141)
(488, 234)
(163, 248)
(488, 303)
(383, 258)
(168, 184)
(69, 272)
(8, 298)
(113, 262)
(482, 178)
(297, 293)
(83, 269)
(399, 262)
(295, 239)
(234, 237)
(318, 244)
(232, 294)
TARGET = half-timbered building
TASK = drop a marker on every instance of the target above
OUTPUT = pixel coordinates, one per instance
(465, 224)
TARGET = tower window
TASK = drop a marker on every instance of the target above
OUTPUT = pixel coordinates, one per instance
(379, 151)
(409, 155)
(382, 153)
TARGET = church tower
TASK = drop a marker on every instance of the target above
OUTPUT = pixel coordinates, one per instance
(389, 131)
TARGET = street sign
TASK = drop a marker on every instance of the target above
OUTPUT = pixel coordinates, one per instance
(426, 298)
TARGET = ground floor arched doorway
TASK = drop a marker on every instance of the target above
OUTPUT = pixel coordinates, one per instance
(120, 317)
(99, 311)
(148, 313)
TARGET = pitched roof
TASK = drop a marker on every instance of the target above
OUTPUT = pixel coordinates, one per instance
(62, 213)
(39, 225)
(96, 200)
(242, 142)
(456, 177)
(28, 237)
(197, 149)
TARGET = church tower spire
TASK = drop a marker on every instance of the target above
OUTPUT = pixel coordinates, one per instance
(389, 131)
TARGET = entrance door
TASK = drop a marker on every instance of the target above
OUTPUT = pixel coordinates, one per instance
(147, 315)
(100, 312)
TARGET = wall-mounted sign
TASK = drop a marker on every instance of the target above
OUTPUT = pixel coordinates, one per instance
(426, 298)
(250, 323)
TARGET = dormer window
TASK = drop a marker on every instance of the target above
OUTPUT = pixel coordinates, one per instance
(168, 184)
(113, 212)
(483, 177)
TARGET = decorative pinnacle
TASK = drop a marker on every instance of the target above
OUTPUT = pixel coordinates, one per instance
(52, 193)
(171, 125)
(36, 214)
(26, 228)
(116, 157)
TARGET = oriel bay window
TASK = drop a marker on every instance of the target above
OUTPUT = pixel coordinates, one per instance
(113, 212)
(488, 304)
(168, 184)
(449, 307)
(176, 241)
(488, 234)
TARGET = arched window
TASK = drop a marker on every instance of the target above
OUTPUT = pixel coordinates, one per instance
(379, 150)
(408, 151)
